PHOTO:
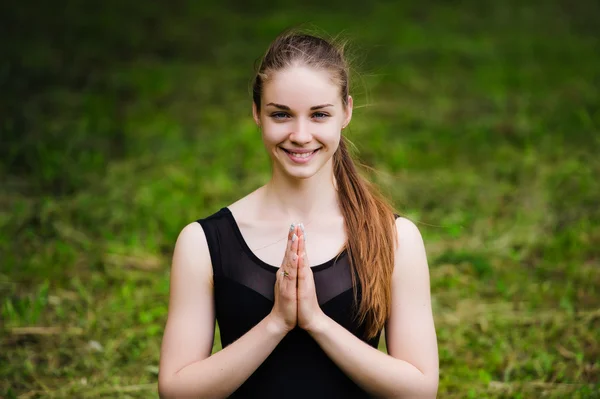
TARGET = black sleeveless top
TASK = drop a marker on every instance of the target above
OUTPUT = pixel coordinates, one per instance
(243, 293)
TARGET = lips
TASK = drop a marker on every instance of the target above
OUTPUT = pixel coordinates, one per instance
(300, 153)
(300, 156)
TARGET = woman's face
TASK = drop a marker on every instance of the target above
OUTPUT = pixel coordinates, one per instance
(301, 119)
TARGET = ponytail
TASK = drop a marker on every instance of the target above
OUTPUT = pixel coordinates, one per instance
(369, 225)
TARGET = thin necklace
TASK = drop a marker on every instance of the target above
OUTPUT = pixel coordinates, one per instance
(281, 239)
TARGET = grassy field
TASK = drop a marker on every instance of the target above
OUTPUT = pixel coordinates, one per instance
(121, 124)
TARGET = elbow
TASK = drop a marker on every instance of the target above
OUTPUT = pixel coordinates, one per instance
(170, 387)
(425, 388)
(430, 386)
(167, 387)
(164, 387)
(432, 391)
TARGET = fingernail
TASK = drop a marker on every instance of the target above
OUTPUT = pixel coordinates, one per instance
(294, 237)
(303, 233)
(292, 227)
(294, 257)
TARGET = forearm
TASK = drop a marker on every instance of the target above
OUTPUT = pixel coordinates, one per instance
(376, 372)
(219, 375)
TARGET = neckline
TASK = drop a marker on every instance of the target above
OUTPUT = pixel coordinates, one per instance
(261, 262)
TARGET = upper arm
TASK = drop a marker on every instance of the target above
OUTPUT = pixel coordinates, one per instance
(410, 331)
(189, 331)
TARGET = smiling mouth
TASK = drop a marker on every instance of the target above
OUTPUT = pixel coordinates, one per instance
(301, 155)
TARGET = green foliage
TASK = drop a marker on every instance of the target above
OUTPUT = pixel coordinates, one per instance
(26, 310)
(121, 126)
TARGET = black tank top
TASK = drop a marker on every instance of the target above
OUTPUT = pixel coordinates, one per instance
(243, 293)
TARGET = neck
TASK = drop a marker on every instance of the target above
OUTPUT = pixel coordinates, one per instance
(301, 200)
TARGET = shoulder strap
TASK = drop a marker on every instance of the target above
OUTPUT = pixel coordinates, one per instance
(212, 230)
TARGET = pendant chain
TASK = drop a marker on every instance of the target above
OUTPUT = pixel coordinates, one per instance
(273, 243)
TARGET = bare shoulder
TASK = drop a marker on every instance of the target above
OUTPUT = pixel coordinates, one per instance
(191, 255)
(408, 232)
(410, 250)
(191, 233)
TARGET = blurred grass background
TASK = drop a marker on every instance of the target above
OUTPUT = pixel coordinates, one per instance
(123, 121)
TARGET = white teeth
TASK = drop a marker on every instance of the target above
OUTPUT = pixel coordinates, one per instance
(304, 155)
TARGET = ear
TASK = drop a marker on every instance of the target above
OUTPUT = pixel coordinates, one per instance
(255, 114)
(348, 111)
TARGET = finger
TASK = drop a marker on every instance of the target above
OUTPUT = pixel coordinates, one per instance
(286, 263)
(279, 284)
(293, 270)
(300, 259)
(289, 277)
(289, 270)
(301, 252)
(283, 279)
(294, 248)
(289, 242)
(284, 272)
(290, 266)
(293, 256)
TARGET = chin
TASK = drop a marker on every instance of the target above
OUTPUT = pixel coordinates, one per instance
(303, 174)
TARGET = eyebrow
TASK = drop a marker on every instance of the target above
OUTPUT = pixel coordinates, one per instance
(286, 108)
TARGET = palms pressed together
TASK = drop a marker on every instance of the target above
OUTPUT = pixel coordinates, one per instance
(309, 311)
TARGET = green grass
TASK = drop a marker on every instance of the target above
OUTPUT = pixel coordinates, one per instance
(123, 124)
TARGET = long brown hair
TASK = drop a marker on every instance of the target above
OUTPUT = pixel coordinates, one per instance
(368, 216)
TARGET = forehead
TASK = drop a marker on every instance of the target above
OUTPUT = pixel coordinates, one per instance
(301, 87)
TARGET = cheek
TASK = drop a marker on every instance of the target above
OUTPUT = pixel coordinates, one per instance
(330, 135)
(273, 133)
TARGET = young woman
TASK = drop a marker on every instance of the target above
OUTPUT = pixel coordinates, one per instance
(300, 314)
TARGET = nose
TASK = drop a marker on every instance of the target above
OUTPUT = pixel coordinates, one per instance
(301, 133)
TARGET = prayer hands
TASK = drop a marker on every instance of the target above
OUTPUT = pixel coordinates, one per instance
(309, 311)
(295, 294)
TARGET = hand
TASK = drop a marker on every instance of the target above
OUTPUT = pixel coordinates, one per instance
(309, 311)
(286, 304)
